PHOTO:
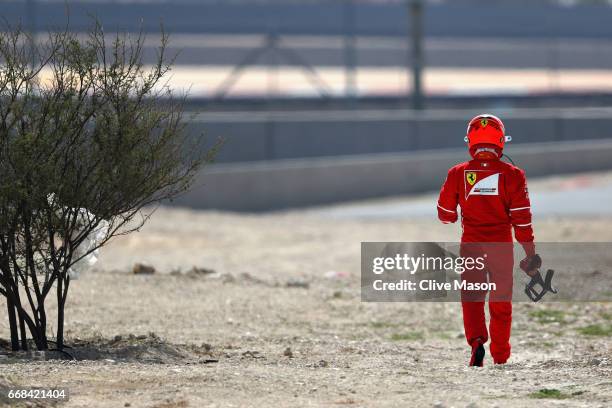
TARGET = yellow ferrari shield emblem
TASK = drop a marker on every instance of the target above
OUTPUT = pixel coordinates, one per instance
(470, 176)
(484, 122)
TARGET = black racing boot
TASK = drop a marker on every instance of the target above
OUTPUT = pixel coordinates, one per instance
(478, 353)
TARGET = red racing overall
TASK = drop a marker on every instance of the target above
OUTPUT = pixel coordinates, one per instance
(493, 198)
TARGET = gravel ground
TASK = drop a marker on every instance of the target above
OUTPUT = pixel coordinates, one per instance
(271, 316)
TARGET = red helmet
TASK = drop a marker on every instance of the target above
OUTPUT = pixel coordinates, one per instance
(488, 130)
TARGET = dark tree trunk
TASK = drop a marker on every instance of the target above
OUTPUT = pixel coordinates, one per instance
(60, 316)
(41, 327)
(60, 328)
(23, 333)
(22, 324)
(39, 334)
(62, 292)
(41, 342)
(13, 324)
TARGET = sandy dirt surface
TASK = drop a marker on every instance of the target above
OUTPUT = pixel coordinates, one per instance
(271, 317)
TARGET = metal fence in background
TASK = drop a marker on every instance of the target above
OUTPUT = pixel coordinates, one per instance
(373, 46)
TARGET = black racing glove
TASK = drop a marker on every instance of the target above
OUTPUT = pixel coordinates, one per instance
(531, 264)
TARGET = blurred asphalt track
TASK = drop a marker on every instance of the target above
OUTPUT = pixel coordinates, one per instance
(587, 195)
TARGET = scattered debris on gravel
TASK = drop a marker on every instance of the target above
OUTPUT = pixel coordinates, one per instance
(142, 269)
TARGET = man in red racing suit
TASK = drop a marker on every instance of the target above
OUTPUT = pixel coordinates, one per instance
(493, 198)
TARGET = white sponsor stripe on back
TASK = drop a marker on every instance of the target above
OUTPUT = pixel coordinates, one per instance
(487, 186)
(522, 225)
(520, 208)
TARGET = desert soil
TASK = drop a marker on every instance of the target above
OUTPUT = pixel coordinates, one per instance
(271, 317)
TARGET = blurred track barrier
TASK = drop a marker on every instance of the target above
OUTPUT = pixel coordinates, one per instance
(278, 135)
(281, 184)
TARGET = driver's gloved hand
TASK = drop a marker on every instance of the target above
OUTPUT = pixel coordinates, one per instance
(531, 264)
